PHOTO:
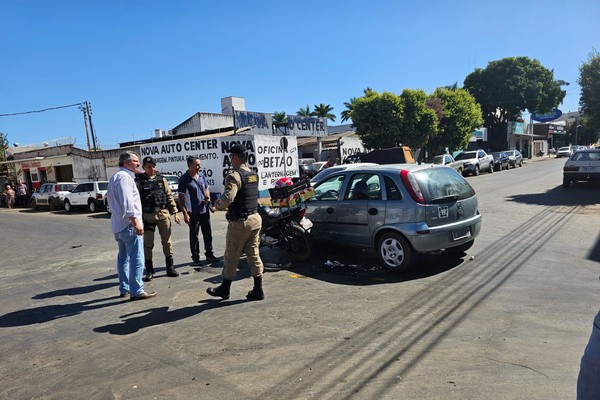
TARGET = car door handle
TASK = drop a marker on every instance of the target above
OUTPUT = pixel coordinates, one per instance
(329, 210)
(373, 211)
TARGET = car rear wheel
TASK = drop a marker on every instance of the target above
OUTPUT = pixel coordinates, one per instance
(92, 206)
(458, 250)
(67, 206)
(476, 170)
(52, 204)
(394, 252)
(491, 170)
(521, 163)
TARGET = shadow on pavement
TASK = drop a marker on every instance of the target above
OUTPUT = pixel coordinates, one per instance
(350, 266)
(74, 291)
(39, 315)
(162, 315)
(579, 194)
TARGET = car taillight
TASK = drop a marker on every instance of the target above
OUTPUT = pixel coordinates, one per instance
(99, 196)
(570, 168)
(412, 186)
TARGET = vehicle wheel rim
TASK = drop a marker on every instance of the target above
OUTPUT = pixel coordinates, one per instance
(67, 206)
(92, 207)
(392, 252)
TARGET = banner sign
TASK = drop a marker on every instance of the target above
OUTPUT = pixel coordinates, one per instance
(348, 146)
(306, 126)
(259, 123)
(547, 117)
(265, 156)
(516, 128)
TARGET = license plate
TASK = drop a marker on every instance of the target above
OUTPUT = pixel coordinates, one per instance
(461, 233)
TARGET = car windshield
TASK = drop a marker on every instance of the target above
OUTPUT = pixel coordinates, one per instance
(102, 185)
(65, 187)
(510, 153)
(442, 184)
(563, 149)
(438, 160)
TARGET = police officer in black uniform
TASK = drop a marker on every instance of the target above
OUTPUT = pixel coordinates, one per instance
(240, 198)
(157, 206)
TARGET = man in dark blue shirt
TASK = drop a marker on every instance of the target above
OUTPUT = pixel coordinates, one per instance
(194, 200)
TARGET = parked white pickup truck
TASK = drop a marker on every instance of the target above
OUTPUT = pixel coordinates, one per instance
(476, 161)
(448, 160)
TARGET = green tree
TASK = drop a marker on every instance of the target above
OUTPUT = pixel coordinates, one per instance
(323, 111)
(388, 120)
(458, 115)
(3, 148)
(347, 113)
(304, 112)
(589, 80)
(507, 87)
(279, 117)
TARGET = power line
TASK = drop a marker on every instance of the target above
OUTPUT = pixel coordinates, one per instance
(39, 111)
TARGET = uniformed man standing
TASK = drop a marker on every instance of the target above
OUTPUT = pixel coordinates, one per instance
(240, 198)
(157, 206)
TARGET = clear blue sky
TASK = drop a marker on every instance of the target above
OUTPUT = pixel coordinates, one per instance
(152, 64)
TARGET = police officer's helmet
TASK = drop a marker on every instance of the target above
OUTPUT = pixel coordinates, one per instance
(238, 150)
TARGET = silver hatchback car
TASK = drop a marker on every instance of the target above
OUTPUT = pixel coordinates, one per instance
(396, 211)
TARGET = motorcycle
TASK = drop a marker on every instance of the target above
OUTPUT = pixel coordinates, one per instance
(286, 226)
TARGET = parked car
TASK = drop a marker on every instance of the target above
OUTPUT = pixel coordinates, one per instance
(448, 160)
(564, 152)
(514, 158)
(319, 165)
(396, 211)
(173, 181)
(336, 168)
(501, 160)
(307, 170)
(51, 195)
(476, 161)
(89, 194)
(583, 165)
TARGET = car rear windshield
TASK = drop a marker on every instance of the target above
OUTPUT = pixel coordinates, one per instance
(172, 179)
(440, 185)
(466, 155)
(102, 185)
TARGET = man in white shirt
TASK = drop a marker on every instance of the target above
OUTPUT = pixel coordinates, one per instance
(128, 228)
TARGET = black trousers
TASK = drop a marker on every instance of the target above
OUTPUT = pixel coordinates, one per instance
(200, 222)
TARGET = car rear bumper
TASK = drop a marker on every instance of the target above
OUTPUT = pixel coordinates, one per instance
(582, 176)
(441, 237)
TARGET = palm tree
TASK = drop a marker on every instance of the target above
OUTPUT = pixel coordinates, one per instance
(323, 111)
(279, 117)
(347, 113)
(304, 112)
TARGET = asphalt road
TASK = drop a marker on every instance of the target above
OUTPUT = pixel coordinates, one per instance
(510, 323)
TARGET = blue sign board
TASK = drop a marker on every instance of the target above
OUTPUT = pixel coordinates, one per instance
(547, 117)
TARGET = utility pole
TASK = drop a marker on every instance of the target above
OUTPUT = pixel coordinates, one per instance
(87, 134)
(89, 114)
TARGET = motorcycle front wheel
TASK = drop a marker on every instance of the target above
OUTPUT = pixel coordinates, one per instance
(298, 243)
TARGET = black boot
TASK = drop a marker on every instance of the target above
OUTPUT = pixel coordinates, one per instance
(257, 291)
(149, 271)
(222, 290)
(170, 268)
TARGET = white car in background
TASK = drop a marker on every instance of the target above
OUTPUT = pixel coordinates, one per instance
(583, 165)
(51, 195)
(91, 195)
(564, 152)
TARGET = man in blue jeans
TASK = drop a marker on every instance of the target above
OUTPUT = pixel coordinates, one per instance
(127, 225)
(588, 383)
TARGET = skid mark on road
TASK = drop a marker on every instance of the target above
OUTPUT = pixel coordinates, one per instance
(388, 348)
